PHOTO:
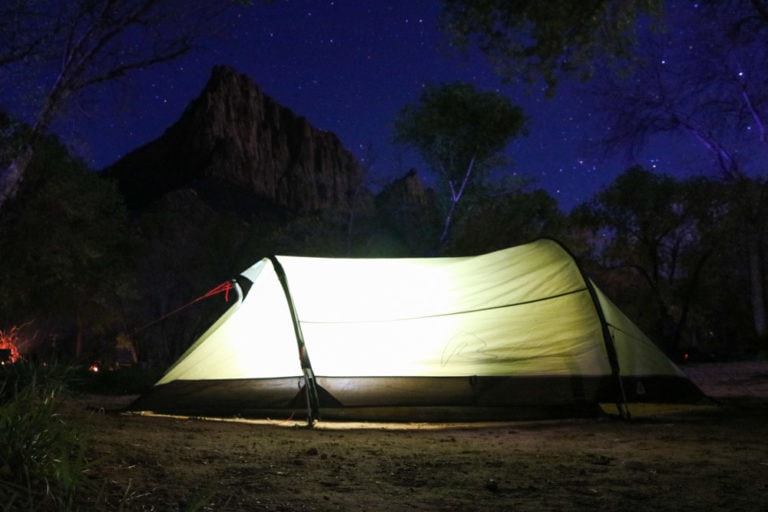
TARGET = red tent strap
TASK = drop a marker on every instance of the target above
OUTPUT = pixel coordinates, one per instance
(222, 288)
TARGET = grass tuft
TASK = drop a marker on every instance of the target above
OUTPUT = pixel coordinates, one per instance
(43, 457)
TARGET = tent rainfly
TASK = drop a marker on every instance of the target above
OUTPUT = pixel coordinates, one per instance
(516, 333)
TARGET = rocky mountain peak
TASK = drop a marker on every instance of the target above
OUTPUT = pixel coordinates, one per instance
(235, 136)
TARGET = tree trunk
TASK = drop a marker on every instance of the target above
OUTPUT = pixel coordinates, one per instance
(757, 287)
(78, 336)
(751, 196)
(12, 176)
(456, 196)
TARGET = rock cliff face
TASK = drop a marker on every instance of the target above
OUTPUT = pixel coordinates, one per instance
(234, 137)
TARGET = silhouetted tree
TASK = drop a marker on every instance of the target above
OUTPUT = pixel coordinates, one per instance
(530, 40)
(706, 82)
(507, 219)
(661, 229)
(460, 133)
(66, 250)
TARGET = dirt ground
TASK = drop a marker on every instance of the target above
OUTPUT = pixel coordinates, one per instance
(712, 458)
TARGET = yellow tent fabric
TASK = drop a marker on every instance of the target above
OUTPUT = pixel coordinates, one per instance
(520, 315)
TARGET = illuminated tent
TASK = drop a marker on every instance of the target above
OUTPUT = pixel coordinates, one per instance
(515, 333)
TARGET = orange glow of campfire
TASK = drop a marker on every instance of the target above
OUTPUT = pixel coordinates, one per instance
(9, 352)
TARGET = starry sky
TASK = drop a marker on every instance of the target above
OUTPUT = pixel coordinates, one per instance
(349, 66)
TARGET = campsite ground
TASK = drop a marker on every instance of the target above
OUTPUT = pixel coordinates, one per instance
(715, 458)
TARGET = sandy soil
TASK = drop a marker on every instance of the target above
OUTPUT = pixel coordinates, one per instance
(712, 458)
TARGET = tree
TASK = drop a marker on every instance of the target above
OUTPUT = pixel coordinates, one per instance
(706, 82)
(67, 250)
(664, 231)
(726, 298)
(529, 39)
(511, 218)
(22, 31)
(66, 48)
(460, 133)
(748, 208)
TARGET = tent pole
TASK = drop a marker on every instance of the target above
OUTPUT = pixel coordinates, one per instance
(613, 357)
(610, 347)
(310, 384)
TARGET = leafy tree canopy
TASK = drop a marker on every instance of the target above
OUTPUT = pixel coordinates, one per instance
(528, 40)
(453, 124)
(460, 133)
(66, 245)
(511, 218)
(660, 237)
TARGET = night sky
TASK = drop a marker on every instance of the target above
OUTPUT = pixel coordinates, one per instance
(349, 67)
